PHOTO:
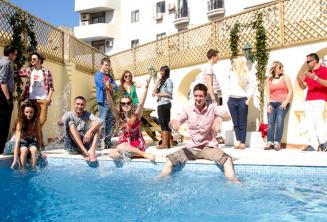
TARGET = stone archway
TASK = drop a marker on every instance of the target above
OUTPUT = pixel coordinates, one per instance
(184, 87)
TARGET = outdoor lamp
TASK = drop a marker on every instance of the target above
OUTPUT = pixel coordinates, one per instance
(30, 49)
(247, 49)
(153, 72)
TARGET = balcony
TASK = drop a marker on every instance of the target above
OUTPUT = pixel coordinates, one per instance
(94, 32)
(182, 17)
(84, 6)
(215, 8)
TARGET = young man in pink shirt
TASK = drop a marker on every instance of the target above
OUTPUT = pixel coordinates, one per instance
(316, 81)
(203, 121)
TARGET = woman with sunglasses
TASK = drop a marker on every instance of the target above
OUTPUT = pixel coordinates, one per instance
(128, 122)
(279, 94)
(128, 87)
(164, 91)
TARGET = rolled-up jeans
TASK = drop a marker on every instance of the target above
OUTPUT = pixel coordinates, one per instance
(106, 115)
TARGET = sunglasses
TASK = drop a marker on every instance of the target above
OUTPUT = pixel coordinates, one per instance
(125, 104)
(309, 61)
(127, 76)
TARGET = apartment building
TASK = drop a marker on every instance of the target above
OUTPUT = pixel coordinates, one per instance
(116, 25)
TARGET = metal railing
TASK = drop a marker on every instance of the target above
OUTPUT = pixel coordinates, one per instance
(215, 4)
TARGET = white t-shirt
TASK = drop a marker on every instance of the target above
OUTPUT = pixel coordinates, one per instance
(37, 88)
(207, 69)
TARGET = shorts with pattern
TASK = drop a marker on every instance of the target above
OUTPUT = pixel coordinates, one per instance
(208, 153)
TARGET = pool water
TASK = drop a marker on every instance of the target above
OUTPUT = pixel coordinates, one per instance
(69, 190)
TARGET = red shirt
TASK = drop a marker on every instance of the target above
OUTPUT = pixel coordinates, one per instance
(316, 91)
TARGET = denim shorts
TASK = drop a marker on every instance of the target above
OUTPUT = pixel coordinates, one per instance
(28, 143)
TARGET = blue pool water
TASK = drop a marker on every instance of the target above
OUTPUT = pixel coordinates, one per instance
(69, 190)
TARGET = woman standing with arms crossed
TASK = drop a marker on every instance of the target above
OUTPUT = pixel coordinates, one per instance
(163, 89)
(279, 94)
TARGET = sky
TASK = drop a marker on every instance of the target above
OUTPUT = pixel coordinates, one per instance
(54, 12)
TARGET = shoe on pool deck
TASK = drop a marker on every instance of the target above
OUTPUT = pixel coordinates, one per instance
(309, 148)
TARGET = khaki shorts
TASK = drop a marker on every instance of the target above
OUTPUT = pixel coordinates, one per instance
(207, 153)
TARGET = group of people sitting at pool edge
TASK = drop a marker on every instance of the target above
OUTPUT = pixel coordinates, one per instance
(204, 117)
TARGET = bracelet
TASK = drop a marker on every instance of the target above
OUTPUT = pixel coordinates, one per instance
(315, 78)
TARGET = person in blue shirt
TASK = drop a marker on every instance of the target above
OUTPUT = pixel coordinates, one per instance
(105, 112)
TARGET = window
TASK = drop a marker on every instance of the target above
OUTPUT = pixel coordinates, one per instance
(99, 45)
(135, 16)
(98, 18)
(161, 35)
(161, 7)
(182, 9)
(134, 43)
(215, 4)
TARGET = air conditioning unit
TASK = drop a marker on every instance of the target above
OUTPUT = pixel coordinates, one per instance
(84, 23)
(171, 6)
(85, 17)
(159, 16)
(109, 43)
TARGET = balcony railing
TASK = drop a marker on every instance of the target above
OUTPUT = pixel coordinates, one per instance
(182, 16)
(215, 4)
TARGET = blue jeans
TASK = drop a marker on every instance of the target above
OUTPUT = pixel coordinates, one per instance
(276, 122)
(239, 112)
(106, 115)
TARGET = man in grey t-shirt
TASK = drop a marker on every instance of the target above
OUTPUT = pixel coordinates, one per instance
(6, 91)
(82, 130)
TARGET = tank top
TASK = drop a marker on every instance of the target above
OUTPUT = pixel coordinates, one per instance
(279, 91)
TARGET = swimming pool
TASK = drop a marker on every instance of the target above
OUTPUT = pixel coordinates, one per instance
(68, 190)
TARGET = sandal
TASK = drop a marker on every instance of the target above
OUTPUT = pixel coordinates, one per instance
(242, 146)
(277, 147)
(269, 147)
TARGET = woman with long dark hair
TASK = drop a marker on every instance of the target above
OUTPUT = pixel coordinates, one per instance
(27, 133)
(164, 91)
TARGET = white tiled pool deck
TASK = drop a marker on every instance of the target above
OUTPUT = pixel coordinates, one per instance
(249, 156)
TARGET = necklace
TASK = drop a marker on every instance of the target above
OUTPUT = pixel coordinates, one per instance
(277, 77)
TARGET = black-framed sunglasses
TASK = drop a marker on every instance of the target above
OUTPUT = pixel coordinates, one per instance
(309, 61)
(125, 104)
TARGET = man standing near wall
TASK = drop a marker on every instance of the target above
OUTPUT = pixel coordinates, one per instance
(7, 89)
(104, 107)
(316, 82)
(209, 77)
(39, 85)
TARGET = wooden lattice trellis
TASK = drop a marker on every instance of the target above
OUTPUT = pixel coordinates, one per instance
(287, 22)
(51, 41)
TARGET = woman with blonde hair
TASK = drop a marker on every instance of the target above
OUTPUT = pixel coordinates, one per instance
(279, 94)
(242, 85)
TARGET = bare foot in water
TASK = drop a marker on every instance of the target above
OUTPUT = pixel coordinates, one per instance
(92, 157)
(149, 156)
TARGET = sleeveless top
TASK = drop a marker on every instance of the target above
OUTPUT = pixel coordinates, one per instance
(279, 91)
(132, 94)
(132, 135)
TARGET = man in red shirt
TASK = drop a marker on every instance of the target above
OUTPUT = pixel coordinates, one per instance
(316, 81)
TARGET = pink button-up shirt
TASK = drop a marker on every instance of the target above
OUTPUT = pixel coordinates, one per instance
(200, 125)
